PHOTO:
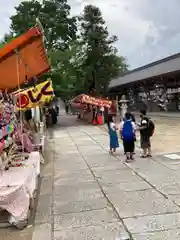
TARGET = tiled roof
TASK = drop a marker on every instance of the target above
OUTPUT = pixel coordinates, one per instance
(161, 67)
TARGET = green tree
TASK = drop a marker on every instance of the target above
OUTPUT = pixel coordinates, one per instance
(59, 27)
(6, 39)
(77, 63)
(67, 73)
(101, 63)
(60, 33)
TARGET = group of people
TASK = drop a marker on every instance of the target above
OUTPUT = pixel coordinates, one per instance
(127, 131)
(97, 111)
(93, 112)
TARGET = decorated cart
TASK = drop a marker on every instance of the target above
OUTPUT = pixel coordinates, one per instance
(90, 108)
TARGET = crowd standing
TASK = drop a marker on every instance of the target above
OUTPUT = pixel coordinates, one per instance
(127, 130)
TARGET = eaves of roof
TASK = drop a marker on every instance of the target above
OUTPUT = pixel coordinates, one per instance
(158, 68)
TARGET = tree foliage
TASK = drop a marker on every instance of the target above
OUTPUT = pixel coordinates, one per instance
(59, 27)
(67, 73)
(101, 63)
(6, 39)
(79, 61)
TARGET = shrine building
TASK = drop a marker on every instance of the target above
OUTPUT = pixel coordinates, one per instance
(155, 86)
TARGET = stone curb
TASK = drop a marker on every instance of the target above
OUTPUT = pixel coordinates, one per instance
(43, 217)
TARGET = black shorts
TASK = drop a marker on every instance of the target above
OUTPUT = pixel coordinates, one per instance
(145, 142)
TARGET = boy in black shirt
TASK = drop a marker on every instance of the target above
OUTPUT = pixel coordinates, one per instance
(145, 135)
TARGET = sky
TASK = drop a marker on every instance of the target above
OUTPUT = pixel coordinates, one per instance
(148, 30)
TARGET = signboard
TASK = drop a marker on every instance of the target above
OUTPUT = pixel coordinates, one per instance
(34, 96)
(96, 101)
(173, 90)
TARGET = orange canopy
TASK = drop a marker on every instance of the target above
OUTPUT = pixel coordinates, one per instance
(22, 59)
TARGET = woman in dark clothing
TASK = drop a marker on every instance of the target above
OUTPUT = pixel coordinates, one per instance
(105, 114)
(28, 115)
(57, 110)
(53, 116)
(67, 107)
(95, 114)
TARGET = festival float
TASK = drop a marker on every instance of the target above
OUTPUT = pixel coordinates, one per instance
(85, 105)
(21, 60)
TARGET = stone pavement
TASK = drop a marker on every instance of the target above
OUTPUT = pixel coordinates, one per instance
(88, 194)
(167, 133)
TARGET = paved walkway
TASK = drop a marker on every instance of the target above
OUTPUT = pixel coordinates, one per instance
(167, 134)
(88, 194)
(162, 114)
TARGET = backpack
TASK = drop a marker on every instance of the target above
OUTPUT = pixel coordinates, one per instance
(151, 127)
(127, 131)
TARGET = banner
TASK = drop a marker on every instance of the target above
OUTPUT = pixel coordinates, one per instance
(96, 101)
(34, 96)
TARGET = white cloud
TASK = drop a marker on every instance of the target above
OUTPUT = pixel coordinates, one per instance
(5, 12)
(124, 21)
(147, 30)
